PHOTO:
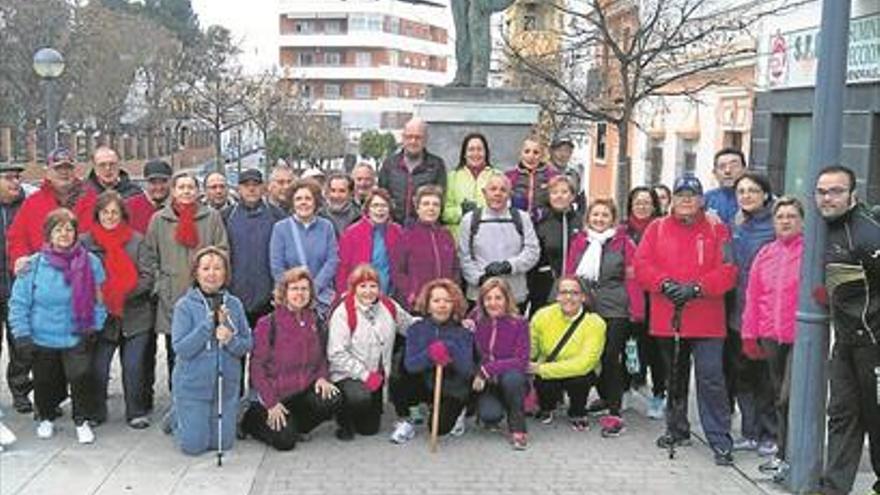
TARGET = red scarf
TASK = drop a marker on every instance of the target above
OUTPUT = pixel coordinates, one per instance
(121, 271)
(186, 234)
(638, 225)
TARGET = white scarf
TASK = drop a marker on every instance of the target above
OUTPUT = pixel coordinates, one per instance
(588, 267)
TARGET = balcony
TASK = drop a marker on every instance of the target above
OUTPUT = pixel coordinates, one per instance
(354, 73)
(367, 39)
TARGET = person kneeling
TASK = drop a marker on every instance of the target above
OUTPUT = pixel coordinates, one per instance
(289, 367)
(439, 340)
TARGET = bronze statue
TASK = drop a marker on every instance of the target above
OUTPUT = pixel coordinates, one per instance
(473, 39)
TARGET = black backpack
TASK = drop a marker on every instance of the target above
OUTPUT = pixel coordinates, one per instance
(477, 219)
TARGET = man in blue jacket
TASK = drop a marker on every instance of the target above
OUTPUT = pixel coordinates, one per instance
(729, 165)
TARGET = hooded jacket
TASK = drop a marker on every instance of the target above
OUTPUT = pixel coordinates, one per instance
(423, 253)
(772, 292)
(555, 232)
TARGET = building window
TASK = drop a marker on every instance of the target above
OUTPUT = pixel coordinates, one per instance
(391, 89)
(654, 160)
(357, 23)
(733, 139)
(393, 58)
(362, 91)
(332, 58)
(374, 22)
(332, 91)
(687, 156)
(363, 59)
(601, 140)
(530, 22)
(304, 27)
(332, 27)
(306, 90)
(394, 25)
(305, 59)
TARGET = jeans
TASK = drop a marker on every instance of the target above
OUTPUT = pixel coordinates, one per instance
(712, 399)
(54, 370)
(306, 411)
(577, 388)
(132, 356)
(504, 394)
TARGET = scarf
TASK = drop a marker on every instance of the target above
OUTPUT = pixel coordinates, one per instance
(590, 263)
(637, 226)
(77, 271)
(121, 271)
(186, 234)
(67, 199)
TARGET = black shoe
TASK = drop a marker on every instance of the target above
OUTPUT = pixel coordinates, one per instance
(22, 405)
(666, 440)
(723, 457)
(597, 407)
(344, 434)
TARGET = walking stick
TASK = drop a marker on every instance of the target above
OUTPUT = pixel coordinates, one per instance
(219, 392)
(673, 379)
(435, 417)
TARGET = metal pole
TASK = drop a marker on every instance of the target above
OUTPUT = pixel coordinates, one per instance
(239, 151)
(809, 388)
(51, 117)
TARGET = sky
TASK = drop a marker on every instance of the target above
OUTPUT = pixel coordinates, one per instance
(253, 23)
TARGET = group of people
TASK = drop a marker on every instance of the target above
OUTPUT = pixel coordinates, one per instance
(360, 287)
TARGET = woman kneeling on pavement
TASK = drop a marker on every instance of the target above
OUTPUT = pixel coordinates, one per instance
(210, 335)
(439, 340)
(566, 344)
(55, 314)
(289, 367)
(502, 338)
(363, 327)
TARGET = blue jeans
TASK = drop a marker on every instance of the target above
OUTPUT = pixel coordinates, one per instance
(712, 399)
(132, 355)
(506, 394)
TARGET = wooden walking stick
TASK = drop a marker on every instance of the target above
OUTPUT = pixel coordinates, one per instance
(435, 414)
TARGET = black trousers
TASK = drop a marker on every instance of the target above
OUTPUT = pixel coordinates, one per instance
(577, 388)
(18, 372)
(415, 391)
(504, 395)
(307, 411)
(650, 361)
(853, 410)
(361, 410)
(54, 370)
(540, 281)
(612, 378)
(779, 363)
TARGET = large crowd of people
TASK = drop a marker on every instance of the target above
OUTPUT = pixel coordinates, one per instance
(467, 293)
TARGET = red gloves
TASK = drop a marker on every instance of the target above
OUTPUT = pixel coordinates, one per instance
(438, 353)
(820, 295)
(753, 350)
(374, 381)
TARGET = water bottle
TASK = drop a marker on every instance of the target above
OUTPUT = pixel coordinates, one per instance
(633, 366)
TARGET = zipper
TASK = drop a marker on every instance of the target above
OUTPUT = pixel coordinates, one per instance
(436, 254)
(700, 249)
(492, 339)
(864, 314)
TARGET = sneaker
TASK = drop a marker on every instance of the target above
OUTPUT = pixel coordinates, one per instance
(723, 457)
(417, 415)
(139, 423)
(597, 407)
(656, 408)
(519, 440)
(45, 429)
(579, 424)
(767, 448)
(404, 431)
(22, 405)
(6, 436)
(744, 444)
(781, 474)
(84, 434)
(667, 439)
(459, 427)
(771, 466)
(612, 426)
(545, 417)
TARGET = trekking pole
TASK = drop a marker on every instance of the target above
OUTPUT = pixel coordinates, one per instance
(219, 395)
(673, 379)
(435, 417)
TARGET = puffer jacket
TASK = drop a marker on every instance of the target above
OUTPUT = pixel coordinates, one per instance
(461, 185)
(749, 234)
(580, 355)
(356, 247)
(529, 189)
(852, 276)
(424, 253)
(772, 291)
(170, 262)
(697, 252)
(402, 185)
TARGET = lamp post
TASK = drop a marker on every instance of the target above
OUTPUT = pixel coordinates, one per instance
(49, 65)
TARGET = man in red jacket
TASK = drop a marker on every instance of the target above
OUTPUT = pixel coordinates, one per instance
(685, 260)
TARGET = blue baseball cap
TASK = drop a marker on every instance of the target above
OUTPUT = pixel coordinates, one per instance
(688, 182)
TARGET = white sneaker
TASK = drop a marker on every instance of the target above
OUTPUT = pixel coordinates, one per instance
(404, 431)
(459, 427)
(84, 434)
(6, 436)
(45, 429)
(656, 408)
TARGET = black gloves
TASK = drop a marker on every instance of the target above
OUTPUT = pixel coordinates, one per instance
(679, 293)
(25, 349)
(496, 268)
(467, 206)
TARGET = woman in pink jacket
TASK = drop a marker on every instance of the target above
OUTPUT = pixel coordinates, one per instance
(371, 240)
(768, 320)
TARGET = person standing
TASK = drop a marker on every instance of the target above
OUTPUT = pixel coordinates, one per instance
(372, 239)
(142, 206)
(217, 191)
(409, 169)
(555, 232)
(852, 280)
(339, 206)
(684, 261)
(561, 150)
(530, 178)
(281, 179)
(107, 175)
(17, 370)
(364, 177)
(464, 184)
(729, 165)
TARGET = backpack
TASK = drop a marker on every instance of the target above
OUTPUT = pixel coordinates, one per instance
(477, 219)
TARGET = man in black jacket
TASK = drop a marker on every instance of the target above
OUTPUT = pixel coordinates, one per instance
(409, 169)
(18, 370)
(852, 279)
(107, 174)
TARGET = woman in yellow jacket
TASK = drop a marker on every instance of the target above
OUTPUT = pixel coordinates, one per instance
(464, 184)
(572, 368)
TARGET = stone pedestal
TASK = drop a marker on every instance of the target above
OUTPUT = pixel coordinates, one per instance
(499, 114)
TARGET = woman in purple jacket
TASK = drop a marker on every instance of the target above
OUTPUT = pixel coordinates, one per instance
(289, 367)
(426, 251)
(502, 338)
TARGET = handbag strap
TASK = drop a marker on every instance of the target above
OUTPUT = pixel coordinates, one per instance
(565, 338)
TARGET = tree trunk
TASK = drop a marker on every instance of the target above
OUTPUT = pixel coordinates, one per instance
(622, 186)
(218, 151)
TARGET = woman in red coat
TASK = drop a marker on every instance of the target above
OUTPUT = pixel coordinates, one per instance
(370, 240)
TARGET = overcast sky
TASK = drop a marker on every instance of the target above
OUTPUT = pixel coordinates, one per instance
(252, 22)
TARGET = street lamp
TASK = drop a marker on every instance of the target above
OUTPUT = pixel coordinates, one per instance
(49, 65)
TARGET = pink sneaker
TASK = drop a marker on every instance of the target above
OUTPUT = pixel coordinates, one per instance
(612, 426)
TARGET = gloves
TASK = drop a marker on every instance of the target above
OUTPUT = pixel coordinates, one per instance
(753, 350)
(678, 293)
(374, 381)
(25, 349)
(496, 268)
(467, 206)
(820, 295)
(438, 353)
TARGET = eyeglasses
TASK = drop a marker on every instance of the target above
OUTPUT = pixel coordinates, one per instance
(378, 206)
(11, 176)
(751, 191)
(570, 293)
(834, 192)
(106, 165)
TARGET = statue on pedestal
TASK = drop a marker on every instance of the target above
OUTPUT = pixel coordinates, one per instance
(473, 39)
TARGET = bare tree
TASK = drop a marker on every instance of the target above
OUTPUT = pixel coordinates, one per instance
(617, 53)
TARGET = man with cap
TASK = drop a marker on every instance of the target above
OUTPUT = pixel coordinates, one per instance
(560, 158)
(106, 174)
(249, 227)
(685, 262)
(61, 188)
(18, 370)
(339, 207)
(142, 206)
(217, 191)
